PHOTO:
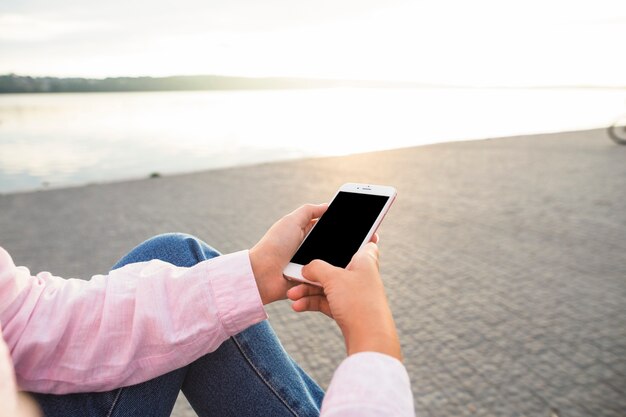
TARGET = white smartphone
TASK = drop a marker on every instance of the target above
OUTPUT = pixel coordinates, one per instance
(349, 223)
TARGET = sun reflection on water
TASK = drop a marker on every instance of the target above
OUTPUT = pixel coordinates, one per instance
(65, 139)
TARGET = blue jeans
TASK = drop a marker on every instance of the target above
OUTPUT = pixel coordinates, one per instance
(250, 374)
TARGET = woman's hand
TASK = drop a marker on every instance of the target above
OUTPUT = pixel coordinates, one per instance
(271, 255)
(355, 298)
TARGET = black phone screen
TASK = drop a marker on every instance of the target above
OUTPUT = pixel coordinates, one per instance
(340, 231)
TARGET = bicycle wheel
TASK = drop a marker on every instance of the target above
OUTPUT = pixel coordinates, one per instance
(617, 131)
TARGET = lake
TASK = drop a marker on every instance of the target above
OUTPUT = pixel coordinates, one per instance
(57, 140)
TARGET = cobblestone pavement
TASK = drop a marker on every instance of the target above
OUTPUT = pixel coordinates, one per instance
(504, 260)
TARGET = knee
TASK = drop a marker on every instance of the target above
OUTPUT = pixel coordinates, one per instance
(171, 240)
(179, 249)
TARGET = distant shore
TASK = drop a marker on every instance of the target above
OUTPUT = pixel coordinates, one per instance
(18, 84)
(11, 84)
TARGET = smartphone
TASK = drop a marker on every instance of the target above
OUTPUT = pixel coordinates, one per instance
(349, 223)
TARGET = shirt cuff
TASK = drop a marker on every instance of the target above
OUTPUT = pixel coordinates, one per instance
(367, 383)
(235, 291)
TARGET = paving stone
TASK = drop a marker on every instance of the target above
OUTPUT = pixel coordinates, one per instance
(503, 260)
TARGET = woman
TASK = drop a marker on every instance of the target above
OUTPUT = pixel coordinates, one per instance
(174, 315)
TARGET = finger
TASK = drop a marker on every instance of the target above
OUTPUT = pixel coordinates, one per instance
(304, 214)
(371, 251)
(366, 257)
(313, 303)
(320, 271)
(375, 238)
(308, 228)
(303, 290)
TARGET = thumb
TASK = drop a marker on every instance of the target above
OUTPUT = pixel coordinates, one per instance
(366, 257)
(319, 271)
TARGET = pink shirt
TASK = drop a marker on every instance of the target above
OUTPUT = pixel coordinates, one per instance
(149, 318)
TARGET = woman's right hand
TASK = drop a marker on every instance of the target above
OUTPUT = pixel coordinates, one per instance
(355, 298)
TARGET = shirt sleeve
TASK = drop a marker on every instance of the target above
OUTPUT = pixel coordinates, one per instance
(138, 322)
(369, 384)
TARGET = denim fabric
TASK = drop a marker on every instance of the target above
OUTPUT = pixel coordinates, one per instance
(250, 374)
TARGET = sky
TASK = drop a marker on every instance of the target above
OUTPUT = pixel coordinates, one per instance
(478, 42)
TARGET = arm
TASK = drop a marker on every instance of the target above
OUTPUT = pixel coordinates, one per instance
(369, 384)
(140, 321)
(372, 381)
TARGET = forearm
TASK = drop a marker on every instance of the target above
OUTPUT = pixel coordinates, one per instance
(383, 341)
(140, 321)
(377, 333)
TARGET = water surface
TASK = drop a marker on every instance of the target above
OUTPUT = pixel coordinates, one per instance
(70, 139)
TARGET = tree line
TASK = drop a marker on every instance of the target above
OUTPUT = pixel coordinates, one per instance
(12, 83)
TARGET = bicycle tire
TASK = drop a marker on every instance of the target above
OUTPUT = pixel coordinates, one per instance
(617, 132)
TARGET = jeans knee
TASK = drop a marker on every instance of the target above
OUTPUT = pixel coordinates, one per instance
(172, 240)
(179, 249)
(182, 249)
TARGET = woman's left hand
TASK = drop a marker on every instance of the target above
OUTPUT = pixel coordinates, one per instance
(272, 253)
